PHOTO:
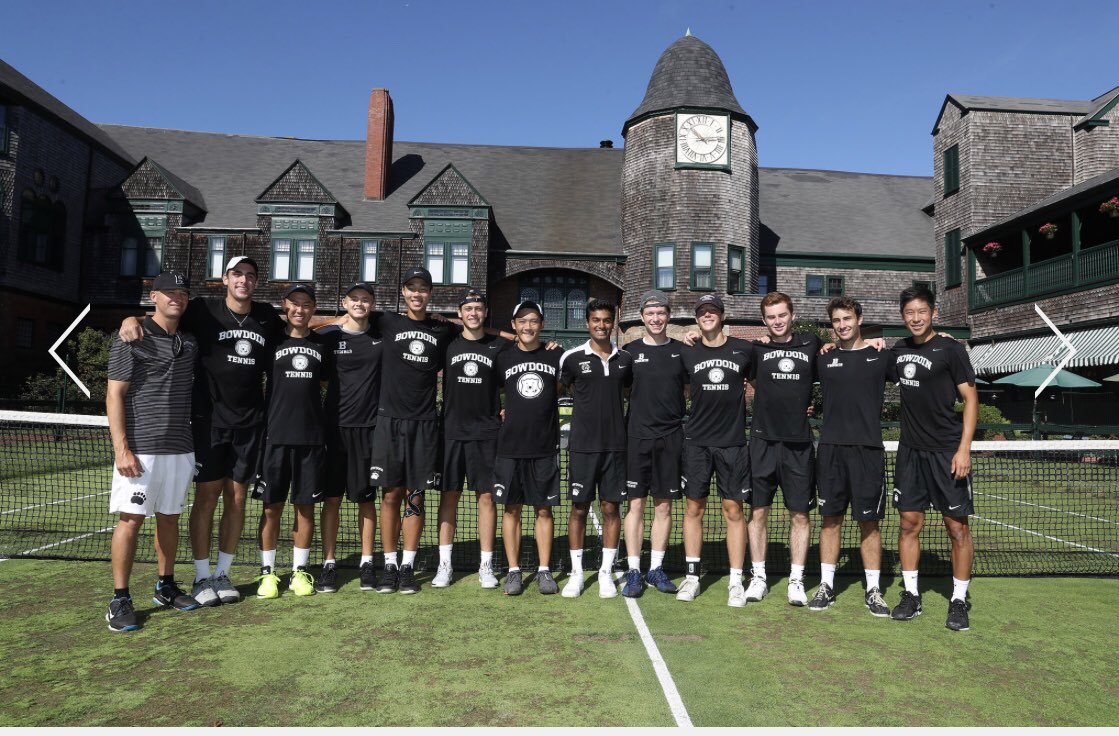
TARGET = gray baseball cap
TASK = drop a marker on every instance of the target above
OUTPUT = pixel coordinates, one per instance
(654, 298)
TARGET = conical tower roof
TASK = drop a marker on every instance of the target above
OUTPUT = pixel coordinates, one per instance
(688, 74)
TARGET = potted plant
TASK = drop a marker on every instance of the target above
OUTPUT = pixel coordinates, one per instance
(1110, 207)
(1049, 230)
(992, 249)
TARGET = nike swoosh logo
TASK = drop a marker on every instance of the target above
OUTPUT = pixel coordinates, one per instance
(376, 342)
(676, 355)
(937, 350)
(551, 497)
(871, 360)
(316, 495)
(492, 347)
(953, 508)
(736, 352)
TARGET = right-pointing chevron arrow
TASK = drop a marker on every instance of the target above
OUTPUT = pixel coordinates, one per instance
(1064, 361)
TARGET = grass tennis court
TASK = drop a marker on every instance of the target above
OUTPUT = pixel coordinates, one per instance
(1040, 652)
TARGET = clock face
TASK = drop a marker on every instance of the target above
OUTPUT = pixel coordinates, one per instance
(702, 139)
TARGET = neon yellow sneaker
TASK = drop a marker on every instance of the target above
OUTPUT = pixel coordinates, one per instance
(302, 583)
(269, 584)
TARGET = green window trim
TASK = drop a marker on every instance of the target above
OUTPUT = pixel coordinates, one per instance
(664, 276)
(293, 257)
(370, 260)
(736, 277)
(447, 251)
(952, 275)
(703, 277)
(952, 169)
(215, 258)
(817, 284)
(931, 285)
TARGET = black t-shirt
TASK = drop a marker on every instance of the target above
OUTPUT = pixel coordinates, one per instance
(233, 352)
(295, 412)
(531, 426)
(783, 375)
(853, 383)
(928, 375)
(412, 360)
(355, 383)
(471, 402)
(716, 375)
(598, 419)
(656, 401)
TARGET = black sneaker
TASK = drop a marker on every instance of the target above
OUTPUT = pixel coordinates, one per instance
(658, 578)
(546, 582)
(408, 584)
(875, 603)
(514, 583)
(957, 615)
(824, 598)
(908, 608)
(121, 615)
(390, 579)
(174, 596)
(368, 576)
(328, 579)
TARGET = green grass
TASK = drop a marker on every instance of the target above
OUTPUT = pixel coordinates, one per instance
(1040, 652)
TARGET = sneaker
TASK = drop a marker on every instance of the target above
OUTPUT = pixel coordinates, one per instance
(658, 578)
(121, 615)
(408, 584)
(824, 598)
(957, 615)
(606, 586)
(390, 579)
(442, 577)
(908, 608)
(486, 577)
(301, 582)
(757, 589)
(876, 604)
(574, 587)
(203, 592)
(174, 596)
(797, 596)
(689, 589)
(224, 588)
(514, 584)
(328, 579)
(634, 586)
(736, 596)
(546, 582)
(269, 584)
(368, 576)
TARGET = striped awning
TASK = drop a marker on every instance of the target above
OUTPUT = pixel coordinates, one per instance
(1099, 346)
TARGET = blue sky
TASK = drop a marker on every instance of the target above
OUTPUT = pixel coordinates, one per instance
(852, 86)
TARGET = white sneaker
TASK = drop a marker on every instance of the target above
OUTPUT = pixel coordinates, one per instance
(574, 587)
(797, 596)
(486, 576)
(204, 593)
(757, 589)
(688, 590)
(224, 588)
(442, 577)
(606, 586)
(736, 596)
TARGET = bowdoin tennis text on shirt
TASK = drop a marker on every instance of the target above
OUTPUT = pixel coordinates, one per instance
(471, 368)
(296, 362)
(907, 370)
(242, 348)
(416, 348)
(786, 365)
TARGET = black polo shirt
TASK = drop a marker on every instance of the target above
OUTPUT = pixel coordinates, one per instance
(656, 399)
(598, 420)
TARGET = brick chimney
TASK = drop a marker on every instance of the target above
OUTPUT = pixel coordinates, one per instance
(378, 145)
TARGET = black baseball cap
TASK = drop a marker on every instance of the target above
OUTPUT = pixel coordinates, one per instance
(416, 273)
(169, 281)
(236, 261)
(528, 304)
(470, 294)
(305, 288)
(713, 299)
(359, 285)
(654, 298)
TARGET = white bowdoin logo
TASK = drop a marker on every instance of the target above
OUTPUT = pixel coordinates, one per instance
(242, 347)
(715, 375)
(786, 365)
(530, 385)
(470, 369)
(415, 347)
(299, 362)
(909, 370)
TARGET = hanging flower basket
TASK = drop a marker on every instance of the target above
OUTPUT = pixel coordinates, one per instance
(1110, 207)
(1049, 230)
(992, 249)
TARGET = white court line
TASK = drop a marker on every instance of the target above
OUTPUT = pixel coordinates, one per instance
(64, 541)
(54, 503)
(1045, 536)
(1047, 508)
(664, 677)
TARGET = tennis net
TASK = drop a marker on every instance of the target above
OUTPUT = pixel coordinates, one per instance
(1041, 508)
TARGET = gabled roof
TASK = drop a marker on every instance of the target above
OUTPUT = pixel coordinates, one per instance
(296, 184)
(189, 193)
(25, 92)
(1013, 104)
(150, 180)
(1100, 107)
(449, 186)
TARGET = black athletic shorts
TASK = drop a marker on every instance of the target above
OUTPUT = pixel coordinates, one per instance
(923, 478)
(221, 452)
(534, 481)
(851, 475)
(295, 468)
(791, 465)
(731, 466)
(653, 466)
(406, 454)
(469, 460)
(601, 471)
(349, 461)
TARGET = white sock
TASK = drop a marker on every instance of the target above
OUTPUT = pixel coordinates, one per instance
(909, 578)
(634, 562)
(656, 559)
(872, 578)
(409, 558)
(201, 569)
(444, 553)
(390, 559)
(757, 569)
(608, 556)
(959, 589)
(225, 562)
(692, 577)
(576, 561)
(735, 577)
(366, 558)
(331, 561)
(487, 557)
(300, 557)
(268, 558)
(514, 569)
(543, 568)
(827, 575)
(796, 572)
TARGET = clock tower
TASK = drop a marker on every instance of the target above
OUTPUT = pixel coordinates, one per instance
(690, 187)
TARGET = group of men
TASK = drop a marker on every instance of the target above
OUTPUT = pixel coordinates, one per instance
(498, 433)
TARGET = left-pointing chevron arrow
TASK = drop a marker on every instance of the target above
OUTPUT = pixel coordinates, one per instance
(61, 340)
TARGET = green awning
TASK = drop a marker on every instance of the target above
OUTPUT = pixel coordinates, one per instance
(1099, 346)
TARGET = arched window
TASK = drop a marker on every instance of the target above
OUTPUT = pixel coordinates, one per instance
(564, 297)
(42, 230)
